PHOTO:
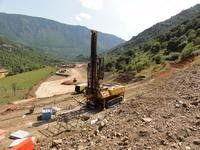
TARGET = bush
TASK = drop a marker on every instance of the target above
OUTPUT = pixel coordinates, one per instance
(157, 59)
(173, 44)
(186, 52)
(197, 41)
(191, 35)
(155, 47)
(173, 56)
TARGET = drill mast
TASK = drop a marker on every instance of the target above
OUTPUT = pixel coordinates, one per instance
(95, 68)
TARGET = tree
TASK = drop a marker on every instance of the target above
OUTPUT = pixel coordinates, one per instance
(14, 87)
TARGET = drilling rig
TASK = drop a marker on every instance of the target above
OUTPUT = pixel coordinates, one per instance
(100, 95)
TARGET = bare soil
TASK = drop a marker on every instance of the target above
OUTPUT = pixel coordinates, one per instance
(157, 114)
(54, 85)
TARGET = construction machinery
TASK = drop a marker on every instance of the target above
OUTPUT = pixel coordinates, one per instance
(80, 88)
(100, 95)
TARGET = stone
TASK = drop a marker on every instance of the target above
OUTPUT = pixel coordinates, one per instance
(124, 139)
(143, 133)
(85, 118)
(58, 141)
(196, 141)
(197, 123)
(180, 138)
(177, 106)
(146, 119)
(194, 72)
(117, 134)
(102, 124)
(163, 142)
(184, 105)
(195, 103)
(187, 148)
(198, 117)
(93, 122)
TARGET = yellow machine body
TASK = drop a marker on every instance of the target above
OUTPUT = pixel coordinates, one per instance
(107, 96)
(81, 87)
(107, 91)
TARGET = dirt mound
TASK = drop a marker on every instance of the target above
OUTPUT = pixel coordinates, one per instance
(160, 115)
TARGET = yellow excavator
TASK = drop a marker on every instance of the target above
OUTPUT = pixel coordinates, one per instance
(98, 94)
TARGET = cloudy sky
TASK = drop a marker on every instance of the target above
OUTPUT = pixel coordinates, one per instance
(124, 18)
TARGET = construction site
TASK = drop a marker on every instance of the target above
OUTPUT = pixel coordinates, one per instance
(81, 107)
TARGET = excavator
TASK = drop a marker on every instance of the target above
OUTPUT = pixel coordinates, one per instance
(98, 94)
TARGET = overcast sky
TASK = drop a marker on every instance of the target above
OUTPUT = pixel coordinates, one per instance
(124, 18)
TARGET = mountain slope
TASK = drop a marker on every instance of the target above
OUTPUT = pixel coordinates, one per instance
(18, 58)
(157, 53)
(52, 37)
(159, 28)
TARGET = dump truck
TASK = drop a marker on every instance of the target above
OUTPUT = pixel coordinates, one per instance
(98, 94)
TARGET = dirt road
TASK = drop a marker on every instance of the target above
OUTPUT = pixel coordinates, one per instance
(53, 86)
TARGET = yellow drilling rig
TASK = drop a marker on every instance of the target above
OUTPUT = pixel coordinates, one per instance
(98, 94)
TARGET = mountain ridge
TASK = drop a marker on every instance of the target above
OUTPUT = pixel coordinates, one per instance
(170, 46)
(158, 29)
(52, 37)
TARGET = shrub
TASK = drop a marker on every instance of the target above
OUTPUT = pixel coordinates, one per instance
(158, 59)
(173, 56)
(186, 53)
(173, 44)
(155, 47)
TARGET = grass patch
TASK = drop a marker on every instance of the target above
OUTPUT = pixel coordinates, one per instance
(16, 87)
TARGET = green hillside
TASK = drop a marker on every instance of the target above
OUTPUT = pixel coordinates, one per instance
(54, 38)
(17, 87)
(158, 29)
(172, 46)
(18, 58)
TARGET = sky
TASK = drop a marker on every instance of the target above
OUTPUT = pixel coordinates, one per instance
(123, 18)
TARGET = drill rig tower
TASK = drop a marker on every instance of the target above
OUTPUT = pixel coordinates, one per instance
(100, 95)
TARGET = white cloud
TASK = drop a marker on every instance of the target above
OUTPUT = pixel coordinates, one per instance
(82, 16)
(92, 4)
(137, 15)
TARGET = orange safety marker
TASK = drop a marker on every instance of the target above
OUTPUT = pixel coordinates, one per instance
(25, 145)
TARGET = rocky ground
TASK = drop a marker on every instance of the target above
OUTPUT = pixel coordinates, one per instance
(164, 114)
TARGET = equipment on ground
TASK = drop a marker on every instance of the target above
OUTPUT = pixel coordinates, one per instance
(100, 95)
(74, 80)
(31, 109)
(80, 88)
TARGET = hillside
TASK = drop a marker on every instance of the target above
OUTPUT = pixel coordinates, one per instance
(159, 114)
(18, 58)
(157, 52)
(50, 37)
(159, 29)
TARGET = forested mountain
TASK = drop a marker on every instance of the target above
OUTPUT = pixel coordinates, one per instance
(166, 46)
(51, 37)
(18, 58)
(159, 29)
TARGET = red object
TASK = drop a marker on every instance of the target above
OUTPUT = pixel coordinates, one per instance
(10, 107)
(2, 134)
(25, 145)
